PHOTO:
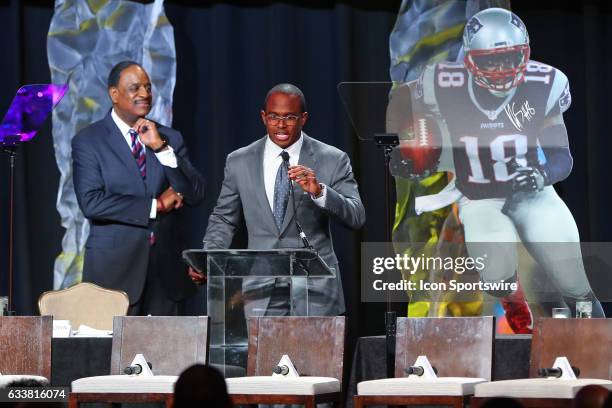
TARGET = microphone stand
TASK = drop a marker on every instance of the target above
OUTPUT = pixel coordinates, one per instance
(11, 150)
(387, 141)
(301, 233)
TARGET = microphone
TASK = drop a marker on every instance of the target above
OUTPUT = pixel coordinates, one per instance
(418, 370)
(550, 372)
(281, 369)
(135, 369)
(556, 372)
(415, 370)
(301, 233)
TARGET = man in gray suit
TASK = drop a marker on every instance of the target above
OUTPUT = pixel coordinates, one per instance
(256, 188)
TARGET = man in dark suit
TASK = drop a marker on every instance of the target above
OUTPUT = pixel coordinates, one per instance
(255, 188)
(131, 176)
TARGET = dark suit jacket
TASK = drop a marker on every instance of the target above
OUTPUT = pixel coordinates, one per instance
(117, 202)
(243, 196)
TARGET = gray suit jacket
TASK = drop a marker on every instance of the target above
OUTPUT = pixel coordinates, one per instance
(243, 195)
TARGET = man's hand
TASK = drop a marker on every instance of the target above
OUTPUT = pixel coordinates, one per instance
(169, 200)
(196, 277)
(528, 179)
(306, 178)
(149, 136)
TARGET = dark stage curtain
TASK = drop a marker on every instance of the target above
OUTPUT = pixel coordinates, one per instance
(231, 53)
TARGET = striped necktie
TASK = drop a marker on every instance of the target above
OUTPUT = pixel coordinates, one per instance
(138, 152)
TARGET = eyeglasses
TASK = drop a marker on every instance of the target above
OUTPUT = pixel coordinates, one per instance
(274, 119)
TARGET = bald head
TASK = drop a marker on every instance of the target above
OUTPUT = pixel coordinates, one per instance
(287, 89)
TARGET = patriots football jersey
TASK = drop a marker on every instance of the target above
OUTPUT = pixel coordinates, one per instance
(492, 135)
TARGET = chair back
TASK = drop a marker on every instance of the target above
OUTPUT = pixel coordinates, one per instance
(170, 343)
(587, 343)
(315, 345)
(25, 345)
(85, 303)
(455, 346)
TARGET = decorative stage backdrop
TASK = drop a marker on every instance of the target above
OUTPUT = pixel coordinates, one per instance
(86, 39)
(228, 55)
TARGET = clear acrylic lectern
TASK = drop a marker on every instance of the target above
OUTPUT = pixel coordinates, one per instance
(243, 283)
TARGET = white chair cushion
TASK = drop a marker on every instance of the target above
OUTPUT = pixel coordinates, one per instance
(125, 384)
(5, 380)
(536, 387)
(419, 386)
(282, 385)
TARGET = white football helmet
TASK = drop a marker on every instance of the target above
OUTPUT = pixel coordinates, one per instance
(496, 47)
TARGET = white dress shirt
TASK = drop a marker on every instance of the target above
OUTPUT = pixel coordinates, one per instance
(166, 157)
(272, 160)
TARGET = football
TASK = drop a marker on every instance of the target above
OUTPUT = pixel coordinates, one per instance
(424, 148)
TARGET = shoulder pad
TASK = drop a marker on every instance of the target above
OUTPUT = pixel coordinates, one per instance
(559, 93)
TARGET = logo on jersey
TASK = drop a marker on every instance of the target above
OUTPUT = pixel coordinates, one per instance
(565, 100)
(492, 125)
(517, 22)
(518, 115)
(472, 27)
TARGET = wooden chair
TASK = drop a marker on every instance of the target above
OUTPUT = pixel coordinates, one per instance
(25, 348)
(461, 348)
(315, 345)
(85, 303)
(585, 342)
(170, 344)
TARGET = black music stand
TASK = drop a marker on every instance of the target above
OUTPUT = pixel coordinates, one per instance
(366, 105)
(28, 111)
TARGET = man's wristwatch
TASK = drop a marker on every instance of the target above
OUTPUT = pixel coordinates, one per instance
(164, 140)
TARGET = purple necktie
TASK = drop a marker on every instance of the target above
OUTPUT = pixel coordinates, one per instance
(138, 152)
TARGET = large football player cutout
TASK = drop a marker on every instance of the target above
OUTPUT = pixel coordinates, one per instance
(495, 121)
